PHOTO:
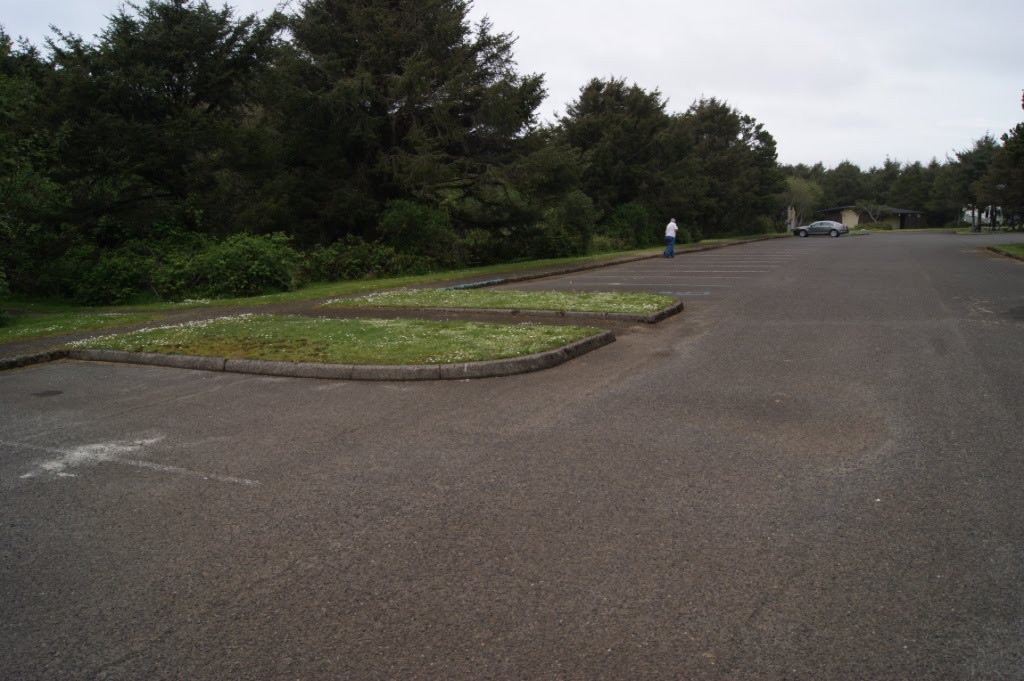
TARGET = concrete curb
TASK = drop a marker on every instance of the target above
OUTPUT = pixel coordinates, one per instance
(149, 358)
(347, 372)
(28, 360)
(627, 317)
(1005, 255)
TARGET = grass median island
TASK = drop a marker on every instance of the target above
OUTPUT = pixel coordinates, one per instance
(344, 341)
(488, 299)
(1012, 250)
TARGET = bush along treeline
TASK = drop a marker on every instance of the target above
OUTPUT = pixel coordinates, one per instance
(189, 152)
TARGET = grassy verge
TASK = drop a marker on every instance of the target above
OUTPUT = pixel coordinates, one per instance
(344, 341)
(355, 287)
(53, 318)
(25, 327)
(1012, 250)
(479, 299)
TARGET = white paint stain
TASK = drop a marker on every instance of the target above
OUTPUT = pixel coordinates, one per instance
(87, 455)
(69, 460)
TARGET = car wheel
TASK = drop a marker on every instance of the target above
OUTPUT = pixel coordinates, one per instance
(834, 232)
(802, 232)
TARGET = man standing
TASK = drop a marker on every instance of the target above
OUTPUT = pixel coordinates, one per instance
(670, 238)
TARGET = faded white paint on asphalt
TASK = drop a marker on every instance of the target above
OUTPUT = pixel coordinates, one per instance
(110, 452)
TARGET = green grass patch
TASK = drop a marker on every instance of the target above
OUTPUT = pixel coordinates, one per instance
(344, 341)
(28, 326)
(489, 299)
(1012, 250)
(357, 286)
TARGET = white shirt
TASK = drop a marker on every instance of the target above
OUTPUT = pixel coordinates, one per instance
(671, 228)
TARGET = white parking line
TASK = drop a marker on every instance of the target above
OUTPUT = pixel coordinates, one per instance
(647, 278)
(585, 284)
(654, 282)
(766, 258)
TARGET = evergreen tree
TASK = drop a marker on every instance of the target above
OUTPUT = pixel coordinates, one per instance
(912, 188)
(393, 99)
(618, 129)
(878, 182)
(737, 158)
(844, 185)
(970, 166)
(31, 200)
(942, 206)
(1003, 182)
(154, 112)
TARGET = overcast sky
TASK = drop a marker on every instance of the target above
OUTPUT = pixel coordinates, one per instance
(861, 81)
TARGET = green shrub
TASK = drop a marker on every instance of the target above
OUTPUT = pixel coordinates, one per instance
(243, 265)
(555, 241)
(630, 226)
(414, 228)
(354, 258)
(567, 228)
(5, 291)
(601, 243)
(763, 225)
(94, 276)
(485, 247)
(185, 266)
(117, 277)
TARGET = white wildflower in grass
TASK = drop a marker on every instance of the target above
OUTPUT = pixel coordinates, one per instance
(49, 324)
(567, 301)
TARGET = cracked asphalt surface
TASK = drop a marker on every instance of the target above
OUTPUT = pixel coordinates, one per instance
(815, 471)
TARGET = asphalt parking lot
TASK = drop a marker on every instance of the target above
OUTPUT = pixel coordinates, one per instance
(694, 275)
(814, 471)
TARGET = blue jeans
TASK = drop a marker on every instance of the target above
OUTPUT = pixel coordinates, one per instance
(670, 246)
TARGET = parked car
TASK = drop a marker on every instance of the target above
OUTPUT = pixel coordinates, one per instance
(830, 227)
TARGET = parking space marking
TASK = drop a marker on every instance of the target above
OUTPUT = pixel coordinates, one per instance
(641, 278)
(698, 275)
(653, 281)
(583, 284)
(737, 256)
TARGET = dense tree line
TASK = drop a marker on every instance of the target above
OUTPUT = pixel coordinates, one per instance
(983, 182)
(349, 138)
(187, 151)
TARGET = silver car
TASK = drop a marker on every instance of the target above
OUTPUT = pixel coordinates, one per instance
(830, 227)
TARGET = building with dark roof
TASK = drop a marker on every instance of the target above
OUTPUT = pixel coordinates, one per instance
(894, 218)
